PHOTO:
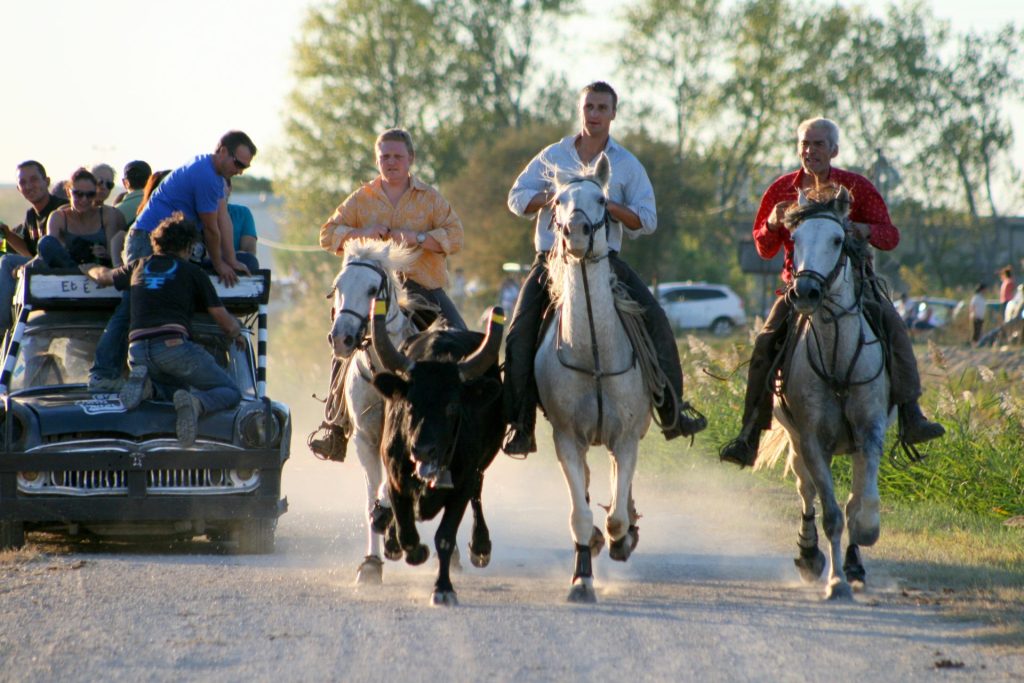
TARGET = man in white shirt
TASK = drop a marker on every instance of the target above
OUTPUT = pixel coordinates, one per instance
(630, 206)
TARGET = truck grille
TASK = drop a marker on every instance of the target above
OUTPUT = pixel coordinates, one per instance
(158, 482)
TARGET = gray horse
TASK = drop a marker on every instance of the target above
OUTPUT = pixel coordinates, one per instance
(589, 383)
(835, 394)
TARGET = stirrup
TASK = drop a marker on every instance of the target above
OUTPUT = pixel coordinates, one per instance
(519, 443)
(328, 442)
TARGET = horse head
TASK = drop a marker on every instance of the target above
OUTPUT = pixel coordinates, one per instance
(819, 230)
(581, 211)
(367, 270)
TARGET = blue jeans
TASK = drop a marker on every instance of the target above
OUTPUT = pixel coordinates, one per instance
(7, 286)
(175, 363)
(112, 348)
(53, 253)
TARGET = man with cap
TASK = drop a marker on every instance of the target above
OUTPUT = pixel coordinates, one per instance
(136, 173)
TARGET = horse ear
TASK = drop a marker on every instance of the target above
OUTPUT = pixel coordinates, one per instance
(604, 170)
(801, 197)
(843, 201)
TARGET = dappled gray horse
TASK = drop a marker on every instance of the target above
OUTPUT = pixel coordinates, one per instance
(835, 391)
(588, 379)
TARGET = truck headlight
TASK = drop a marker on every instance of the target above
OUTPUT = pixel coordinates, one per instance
(32, 481)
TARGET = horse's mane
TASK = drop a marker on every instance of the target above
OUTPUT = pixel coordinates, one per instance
(393, 258)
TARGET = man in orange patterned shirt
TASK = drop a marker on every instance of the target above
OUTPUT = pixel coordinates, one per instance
(394, 206)
(817, 145)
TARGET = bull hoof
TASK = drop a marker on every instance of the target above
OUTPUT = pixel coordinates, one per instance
(621, 549)
(839, 591)
(481, 559)
(810, 567)
(417, 554)
(392, 549)
(581, 593)
(444, 599)
(596, 542)
(380, 517)
(371, 571)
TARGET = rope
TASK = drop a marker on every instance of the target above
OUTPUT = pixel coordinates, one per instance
(281, 246)
(655, 380)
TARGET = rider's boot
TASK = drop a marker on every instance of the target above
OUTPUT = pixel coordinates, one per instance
(915, 427)
(684, 421)
(742, 450)
(520, 439)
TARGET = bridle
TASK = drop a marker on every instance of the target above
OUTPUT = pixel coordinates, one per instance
(826, 281)
(383, 291)
(590, 228)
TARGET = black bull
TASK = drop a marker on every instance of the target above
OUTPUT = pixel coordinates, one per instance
(444, 412)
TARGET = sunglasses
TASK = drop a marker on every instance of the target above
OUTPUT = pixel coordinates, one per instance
(109, 184)
(238, 164)
(83, 194)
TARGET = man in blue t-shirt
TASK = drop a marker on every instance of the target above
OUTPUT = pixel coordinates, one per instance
(197, 191)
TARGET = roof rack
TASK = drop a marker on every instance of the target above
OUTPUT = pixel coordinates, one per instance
(68, 288)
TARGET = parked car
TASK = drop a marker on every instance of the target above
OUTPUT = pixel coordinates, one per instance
(77, 462)
(700, 305)
(929, 312)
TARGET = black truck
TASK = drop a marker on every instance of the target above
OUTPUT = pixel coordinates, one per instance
(78, 463)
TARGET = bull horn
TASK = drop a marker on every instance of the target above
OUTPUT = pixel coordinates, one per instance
(391, 358)
(484, 357)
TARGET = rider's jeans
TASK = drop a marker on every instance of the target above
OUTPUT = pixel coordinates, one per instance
(175, 363)
(8, 263)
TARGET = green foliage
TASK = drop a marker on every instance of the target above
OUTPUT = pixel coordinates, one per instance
(247, 183)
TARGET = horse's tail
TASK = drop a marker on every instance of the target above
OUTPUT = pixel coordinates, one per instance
(773, 445)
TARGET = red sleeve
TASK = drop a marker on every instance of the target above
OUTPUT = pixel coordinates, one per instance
(869, 207)
(768, 241)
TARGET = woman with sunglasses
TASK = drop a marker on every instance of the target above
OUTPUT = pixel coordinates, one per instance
(82, 231)
(104, 174)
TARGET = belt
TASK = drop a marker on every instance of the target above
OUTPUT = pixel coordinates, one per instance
(159, 337)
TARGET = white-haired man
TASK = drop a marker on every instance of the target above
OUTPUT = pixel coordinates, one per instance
(817, 145)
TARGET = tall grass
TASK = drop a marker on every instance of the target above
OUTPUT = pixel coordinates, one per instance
(977, 468)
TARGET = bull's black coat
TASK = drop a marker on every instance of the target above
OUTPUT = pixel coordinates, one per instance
(434, 417)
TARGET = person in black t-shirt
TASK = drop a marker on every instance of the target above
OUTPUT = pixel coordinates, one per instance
(20, 241)
(165, 291)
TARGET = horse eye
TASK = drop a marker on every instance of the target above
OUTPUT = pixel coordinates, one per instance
(601, 200)
(837, 241)
(557, 202)
(372, 291)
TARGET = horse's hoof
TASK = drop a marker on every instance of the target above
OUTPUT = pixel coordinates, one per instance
(481, 559)
(621, 549)
(634, 533)
(854, 568)
(581, 593)
(810, 567)
(839, 590)
(371, 571)
(596, 542)
(444, 599)
(417, 554)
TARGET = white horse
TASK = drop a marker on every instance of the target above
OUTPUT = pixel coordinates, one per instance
(369, 266)
(587, 375)
(835, 393)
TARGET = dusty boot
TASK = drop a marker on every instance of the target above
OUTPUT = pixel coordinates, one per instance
(328, 442)
(189, 409)
(915, 427)
(742, 450)
(137, 388)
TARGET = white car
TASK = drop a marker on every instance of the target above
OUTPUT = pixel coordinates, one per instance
(699, 305)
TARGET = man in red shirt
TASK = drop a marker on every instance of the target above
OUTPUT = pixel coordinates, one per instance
(818, 144)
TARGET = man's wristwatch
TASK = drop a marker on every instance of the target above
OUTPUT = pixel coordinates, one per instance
(421, 237)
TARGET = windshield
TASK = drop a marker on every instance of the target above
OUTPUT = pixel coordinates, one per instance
(54, 356)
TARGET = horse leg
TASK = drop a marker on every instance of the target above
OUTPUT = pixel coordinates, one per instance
(371, 571)
(811, 562)
(572, 458)
(832, 517)
(619, 523)
(863, 508)
(445, 545)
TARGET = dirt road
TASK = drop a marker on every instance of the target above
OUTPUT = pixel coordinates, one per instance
(709, 595)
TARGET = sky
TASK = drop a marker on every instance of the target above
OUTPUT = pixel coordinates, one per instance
(112, 81)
